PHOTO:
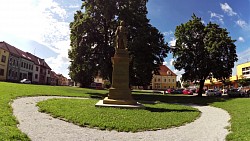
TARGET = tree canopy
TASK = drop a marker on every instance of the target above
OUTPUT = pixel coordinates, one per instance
(92, 41)
(203, 51)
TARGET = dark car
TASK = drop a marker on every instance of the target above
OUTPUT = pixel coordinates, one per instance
(177, 91)
(235, 93)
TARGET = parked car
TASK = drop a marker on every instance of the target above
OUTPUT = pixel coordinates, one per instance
(218, 93)
(169, 91)
(177, 91)
(212, 92)
(235, 93)
(26, 81)
(248, 93)
(187, 91)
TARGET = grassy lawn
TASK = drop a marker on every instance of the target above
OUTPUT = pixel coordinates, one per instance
(10, 91)
(84, 113)
(238, 107)
(239, 110)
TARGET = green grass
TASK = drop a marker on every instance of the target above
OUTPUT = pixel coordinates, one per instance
(239, 110)
(237, 107)
(10, 91)
(84, 113)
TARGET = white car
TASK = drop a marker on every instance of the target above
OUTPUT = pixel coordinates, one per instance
(25, 81)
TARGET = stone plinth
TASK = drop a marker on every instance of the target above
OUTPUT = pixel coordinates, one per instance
(120, 93)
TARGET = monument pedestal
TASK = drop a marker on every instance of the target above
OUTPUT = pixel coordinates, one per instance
(120, 93)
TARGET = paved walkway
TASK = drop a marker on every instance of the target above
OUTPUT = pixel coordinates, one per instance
(42, 127)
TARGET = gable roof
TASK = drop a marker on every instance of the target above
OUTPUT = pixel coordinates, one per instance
(3, 46)
(23, 54)
(11, 49)
(165, 71)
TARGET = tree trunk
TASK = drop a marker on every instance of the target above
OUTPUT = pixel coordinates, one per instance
(201, 87)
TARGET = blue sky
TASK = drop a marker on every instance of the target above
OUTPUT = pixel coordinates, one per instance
(41, 27)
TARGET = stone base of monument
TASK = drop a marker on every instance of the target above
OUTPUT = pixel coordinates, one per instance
(119, 104)
(120, 93)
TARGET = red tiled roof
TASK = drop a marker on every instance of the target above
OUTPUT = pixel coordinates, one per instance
(23, 54)
(11, 49)
(3, 46)
(165, 71)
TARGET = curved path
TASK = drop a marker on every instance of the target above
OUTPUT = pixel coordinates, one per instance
(42, 127)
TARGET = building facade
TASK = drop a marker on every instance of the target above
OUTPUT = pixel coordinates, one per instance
(243, 70)
(4, 55)
(26, 66)
(16, 65)
(164, 80)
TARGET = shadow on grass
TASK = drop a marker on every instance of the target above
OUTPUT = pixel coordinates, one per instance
(151, 109)
(184, 99)
(97, 95)
(204, 100)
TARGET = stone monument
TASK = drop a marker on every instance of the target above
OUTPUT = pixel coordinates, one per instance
(120, 93)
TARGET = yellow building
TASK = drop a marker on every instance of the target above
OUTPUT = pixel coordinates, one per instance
(243, 70)
(218, 84)
(165, 79)
(4, 56)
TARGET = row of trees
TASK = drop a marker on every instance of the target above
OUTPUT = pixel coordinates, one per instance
(202, 51)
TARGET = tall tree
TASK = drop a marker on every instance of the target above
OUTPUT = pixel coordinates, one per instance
(203, 51)
(92, 40)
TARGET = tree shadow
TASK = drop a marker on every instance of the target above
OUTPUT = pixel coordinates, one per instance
(151, 109)
(97, 95)
(183, 99)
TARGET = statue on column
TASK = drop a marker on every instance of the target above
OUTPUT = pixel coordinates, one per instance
(121, 36)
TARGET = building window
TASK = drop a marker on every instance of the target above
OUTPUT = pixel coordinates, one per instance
(3, 59)
(155, 79)
(36, 68)
(22, 64)
(48, 72)
(16, 63)
(168, 80)
(159, 79)
(36, 76)
(173, 80)
(1, 72)
(165, 80)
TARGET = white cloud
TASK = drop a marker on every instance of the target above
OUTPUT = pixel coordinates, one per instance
(171, 62)
(179, 74)
(168, 33)
(165, 63)
(241, 39)
(227, 9)
(217, 17)
(244, 56)
(241, 23)
(172, 42)
(42, 21)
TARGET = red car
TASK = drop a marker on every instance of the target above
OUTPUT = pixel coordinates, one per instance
(188, 92)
